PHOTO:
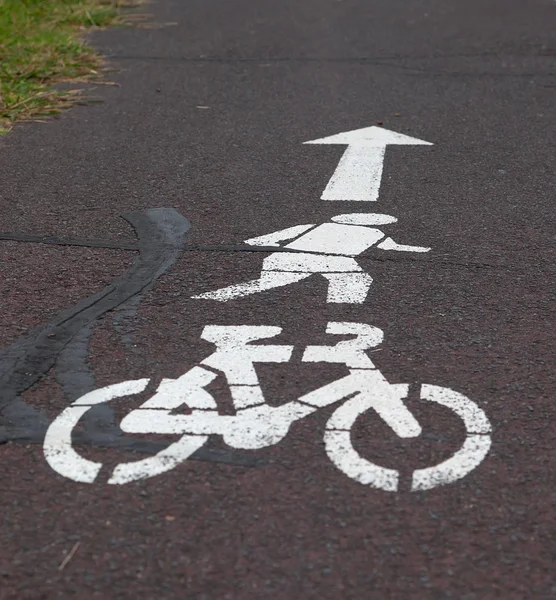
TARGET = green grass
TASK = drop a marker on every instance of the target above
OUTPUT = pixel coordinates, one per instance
(41, 44)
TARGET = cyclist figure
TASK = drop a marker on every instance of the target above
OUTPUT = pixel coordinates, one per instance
(327, 249)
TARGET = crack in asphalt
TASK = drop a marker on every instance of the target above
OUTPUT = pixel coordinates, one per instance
(60, 241)
(237, 248)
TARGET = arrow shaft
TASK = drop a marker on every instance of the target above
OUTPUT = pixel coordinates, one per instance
(358, 175)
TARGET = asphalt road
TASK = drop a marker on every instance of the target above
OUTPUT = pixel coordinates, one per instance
(207, 127)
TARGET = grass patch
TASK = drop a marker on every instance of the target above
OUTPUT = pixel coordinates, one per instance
(41, 44)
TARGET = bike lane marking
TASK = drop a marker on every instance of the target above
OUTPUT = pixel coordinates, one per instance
(328, 249)
(259, 425)
(359, 172)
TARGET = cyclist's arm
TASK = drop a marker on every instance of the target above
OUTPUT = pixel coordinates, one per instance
(272, 239)
(390, 244)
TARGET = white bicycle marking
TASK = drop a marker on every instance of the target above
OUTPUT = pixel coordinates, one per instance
(475, 447)
(258, 425)
(58, 448)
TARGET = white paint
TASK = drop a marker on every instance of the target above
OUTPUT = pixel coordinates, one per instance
(307, 263)
(351, 353)
(470, 455)
(257, 425)
(390, 244)
(473, 417)
(347, 288)
(58, 447)
(328, 250)
(358, 175)
(475, 447)
(164, 422)
(274, 239)
(359, 172)
(370, 137)
(187, 389)
(61, 456)
(264, 426)
(163, 461)
(335, 238)
(268, 280)
(235, 354)
(372, 392)
(246, 396)
(341, 452)
(59, 452)
(364, 219)
(251, 429)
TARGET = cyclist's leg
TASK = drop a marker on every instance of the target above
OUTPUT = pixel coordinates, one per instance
(267, 281)
(348, 288)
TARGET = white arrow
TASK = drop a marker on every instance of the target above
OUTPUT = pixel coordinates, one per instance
(358, 174)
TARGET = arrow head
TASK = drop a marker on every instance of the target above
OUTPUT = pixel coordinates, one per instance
(370, 136)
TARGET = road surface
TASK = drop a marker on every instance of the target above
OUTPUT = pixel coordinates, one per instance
(142, 237)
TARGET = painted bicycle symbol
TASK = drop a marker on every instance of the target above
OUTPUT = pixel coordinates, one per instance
(257, 425)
